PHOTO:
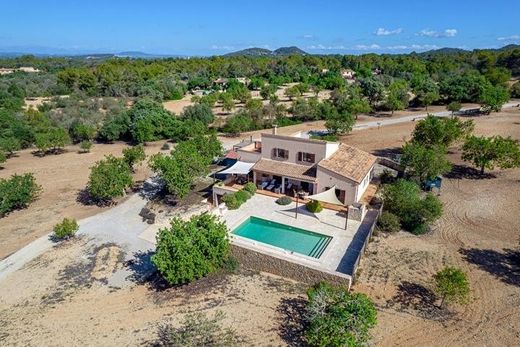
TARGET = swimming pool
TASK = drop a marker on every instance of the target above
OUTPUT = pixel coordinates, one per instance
(284, 236)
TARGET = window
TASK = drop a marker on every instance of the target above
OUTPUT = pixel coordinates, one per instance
(279, 153)
(306, 157)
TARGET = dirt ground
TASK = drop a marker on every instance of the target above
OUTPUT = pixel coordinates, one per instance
(62, 178)
(71, 304)
(479, 232)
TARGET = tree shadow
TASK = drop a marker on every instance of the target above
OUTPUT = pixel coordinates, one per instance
(142, 270)
(86, 199)
(416, 299)
(390, 153)
(503, 265)
(292, 325)
(466, 172)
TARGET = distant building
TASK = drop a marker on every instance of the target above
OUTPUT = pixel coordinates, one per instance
(348, 74)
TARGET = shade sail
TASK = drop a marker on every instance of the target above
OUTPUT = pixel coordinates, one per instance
(239, 168)
(328, 196)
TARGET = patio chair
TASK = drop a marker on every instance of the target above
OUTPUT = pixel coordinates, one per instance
(289, 186)
(264, 184)
(270, 187)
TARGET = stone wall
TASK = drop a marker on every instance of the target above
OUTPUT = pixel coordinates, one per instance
(277, 266)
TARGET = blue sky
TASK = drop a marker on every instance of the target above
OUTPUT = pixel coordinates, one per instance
(215, 27)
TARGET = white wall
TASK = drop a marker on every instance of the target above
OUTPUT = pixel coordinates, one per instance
(248, 156)
(364, 185)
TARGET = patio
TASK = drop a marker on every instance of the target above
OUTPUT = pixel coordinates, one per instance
(328, 222)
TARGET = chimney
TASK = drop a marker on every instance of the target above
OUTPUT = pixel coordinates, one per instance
(275, 129)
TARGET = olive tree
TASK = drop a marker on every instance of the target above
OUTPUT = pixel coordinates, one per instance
(425, 162)
(17, 192)
(134, 155)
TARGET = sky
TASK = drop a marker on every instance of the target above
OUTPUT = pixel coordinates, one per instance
(216, 27)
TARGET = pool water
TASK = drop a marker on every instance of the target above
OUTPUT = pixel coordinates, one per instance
(284, 236)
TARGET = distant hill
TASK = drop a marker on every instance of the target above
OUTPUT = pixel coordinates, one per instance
(444, 51)
(263, 52)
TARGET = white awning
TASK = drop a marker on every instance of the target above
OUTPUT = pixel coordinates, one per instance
(239, 168)
(328, 196)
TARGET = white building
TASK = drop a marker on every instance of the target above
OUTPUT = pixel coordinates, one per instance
(294, 164)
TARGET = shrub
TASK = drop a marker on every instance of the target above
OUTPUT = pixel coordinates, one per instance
(109, 178)
(10, 145)
(66, 229)
(189, 250)
(3, 157)
(242, 196)
(250, 187)
(81, 132)
(231, 201)
(134, 155)
(53, 139)
(314, 206)
(199, 330)
(17, 192)
(166, 146)
(337, 317)
(452, 285)
(388, 222)
(85, 146)
(284, 200)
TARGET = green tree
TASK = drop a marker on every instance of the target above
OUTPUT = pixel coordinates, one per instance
(515, 90)
(52, 139)
(66, 229)
(81, 132)
(425, 162)
(488, 152)
(373, 89)
(17, 192)
(452, 285)
(228, 104)
(238, 123)
(340, 123)
(427, 92)
(134, 155)
(337, 317)
(454, 106)
(109, 178)
(85, 146)
(397, 98)
(292, 92)
(253, 105)
(201, 113)
(190, 250)
(403, 198)
(434, 131)
(493, 97)
(3, 157)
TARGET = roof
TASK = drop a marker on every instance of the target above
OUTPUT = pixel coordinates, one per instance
(239, 168)
(349, 162)
(231, 154)
(280, 168)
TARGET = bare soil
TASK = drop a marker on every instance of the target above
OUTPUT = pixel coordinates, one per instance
(62, 178)
(61, 297)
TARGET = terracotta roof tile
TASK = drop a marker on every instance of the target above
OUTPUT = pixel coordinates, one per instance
(349, 162)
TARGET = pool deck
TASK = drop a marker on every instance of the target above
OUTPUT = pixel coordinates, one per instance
(327, 222)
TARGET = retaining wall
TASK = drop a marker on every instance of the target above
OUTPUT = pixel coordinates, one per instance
(281, 267)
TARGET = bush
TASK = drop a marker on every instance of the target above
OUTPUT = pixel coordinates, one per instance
(452, 285)
(109, 178)
(231, 201)
(314, 206)
(133, 155)
(52, 139)
(199, 330)
(17, 192)
(166, 146)
(250, 187)
(3, 157)
(189, 250)
(242, 196)
(10, 145)
(284, 200)
(85, 146)
(337, 317)
(66, 229)
(388, 222)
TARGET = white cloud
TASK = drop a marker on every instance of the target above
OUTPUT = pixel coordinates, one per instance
(509, 38)
(387, 32)
(437, 34)
(367, 47)
(323, 47)
(308, 36)
(223, 48)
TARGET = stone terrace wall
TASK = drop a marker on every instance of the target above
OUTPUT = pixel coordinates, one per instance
(266, 263)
